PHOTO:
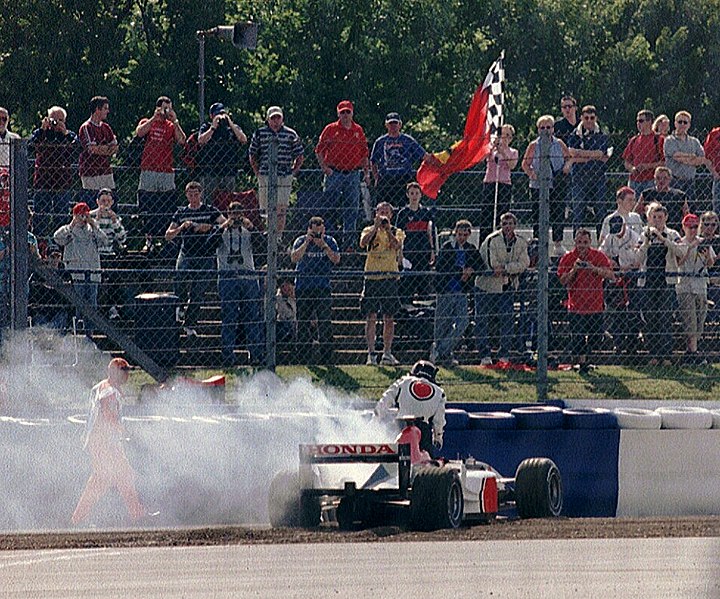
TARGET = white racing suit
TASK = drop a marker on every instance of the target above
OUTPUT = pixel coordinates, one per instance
(417, 396)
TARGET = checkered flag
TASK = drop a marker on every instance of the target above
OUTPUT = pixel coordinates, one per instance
(495, 82)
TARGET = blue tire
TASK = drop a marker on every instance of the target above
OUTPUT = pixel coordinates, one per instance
(589, 418)
(456, 419)
(538, 417)
(491, 421)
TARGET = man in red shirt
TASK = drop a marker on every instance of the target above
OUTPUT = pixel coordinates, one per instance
(643, 153)
(342, 153)
(105, 432)
(157, 200)
(712, 151)
(582, 271)
(98, 144)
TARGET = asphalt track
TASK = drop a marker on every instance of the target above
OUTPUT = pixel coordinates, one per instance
(584, 568)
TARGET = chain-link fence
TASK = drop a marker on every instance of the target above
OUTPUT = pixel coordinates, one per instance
(168, 246)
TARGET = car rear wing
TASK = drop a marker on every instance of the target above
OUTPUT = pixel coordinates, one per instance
(354, 453)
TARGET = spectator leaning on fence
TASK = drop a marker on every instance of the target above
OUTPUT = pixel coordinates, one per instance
(683, 154)
(644, 153)
(5, 137)
(457, 262)
(157, 200)
(219, 152)
(290, 157)
(342, 152)
(531, 165)
(98, 143)
(196, 268)
(239, 287)
(621, 298)
(81, 239)
(658, 255)
(383, 243)
(691, 287)
(416, 221)
(583, 272)
(314, 255)
(504, 257)
(393, 159)
(55, 148)
(712, 152)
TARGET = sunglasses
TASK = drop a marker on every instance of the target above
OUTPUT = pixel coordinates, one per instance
(567, 106)
(640, 120)
(345, 112)
(692, 226)
(683, 122)
(589, 117)
(545, 127)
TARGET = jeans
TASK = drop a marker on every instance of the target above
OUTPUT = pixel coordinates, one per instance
(317, 302)
(588, 192)
(51, 210)
(88, 291)
(240, 299)
(344, 190)
(639, 186)
(194, 277)
(451, 321)
(494, 306)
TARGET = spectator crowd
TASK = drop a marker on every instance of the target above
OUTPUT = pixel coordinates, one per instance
(627, 272)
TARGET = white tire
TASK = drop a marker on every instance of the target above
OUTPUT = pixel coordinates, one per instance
(685, 417)
(638, 418)
(716, 418)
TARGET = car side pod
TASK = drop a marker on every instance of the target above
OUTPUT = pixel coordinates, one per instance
(538, 489)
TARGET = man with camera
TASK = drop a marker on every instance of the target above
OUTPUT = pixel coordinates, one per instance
(582, 271)
(380, 294)
(238, 287)
(156, 196)
(56, 149)
(196, 225)
(80, 240)
(219, 155)
(314, 255)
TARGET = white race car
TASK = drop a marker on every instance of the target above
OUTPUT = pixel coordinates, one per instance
(371, 484)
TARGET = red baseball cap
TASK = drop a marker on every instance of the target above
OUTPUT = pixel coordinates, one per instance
(119, 364)
(346, 105)
(81, 208)
(690, 219)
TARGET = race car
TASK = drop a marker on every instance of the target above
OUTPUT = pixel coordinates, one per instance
(372, 484)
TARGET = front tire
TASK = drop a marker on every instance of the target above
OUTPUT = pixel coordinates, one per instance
(538, 489)
(437, 499)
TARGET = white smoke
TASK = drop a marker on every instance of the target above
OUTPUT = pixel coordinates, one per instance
(197, 463)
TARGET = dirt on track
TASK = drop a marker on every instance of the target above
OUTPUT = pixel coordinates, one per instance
(558, 528)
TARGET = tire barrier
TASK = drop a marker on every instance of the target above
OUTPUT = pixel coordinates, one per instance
(685, 417)
(456, 419)
(638, 418)
(491, 421)
(589, 418)
(538, 417)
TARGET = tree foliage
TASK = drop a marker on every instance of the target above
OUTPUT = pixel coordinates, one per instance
(420, 57)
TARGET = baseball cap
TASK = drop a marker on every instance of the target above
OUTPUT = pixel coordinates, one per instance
(119, 363)
(393, 117)
(690, 219)
(616, 223)
(273, 110)
(81, 208)
(53, 249)
(346, 105)
(217, 108)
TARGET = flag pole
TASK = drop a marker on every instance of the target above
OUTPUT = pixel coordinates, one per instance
(497, 181)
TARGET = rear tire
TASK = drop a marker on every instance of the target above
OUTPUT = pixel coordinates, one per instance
(538, 489)
(437, 499)
(284, 500)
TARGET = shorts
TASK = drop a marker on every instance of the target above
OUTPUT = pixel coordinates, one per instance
(154, 181)
(284, 187)
(380, 296)
(98, 182)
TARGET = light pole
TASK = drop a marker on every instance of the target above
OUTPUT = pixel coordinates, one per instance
(242, 35)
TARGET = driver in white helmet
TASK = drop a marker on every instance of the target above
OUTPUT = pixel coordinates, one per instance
(419, 395)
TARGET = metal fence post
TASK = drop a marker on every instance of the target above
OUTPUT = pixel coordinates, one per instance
(545, 180)
(272, 250)
(18, 243)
